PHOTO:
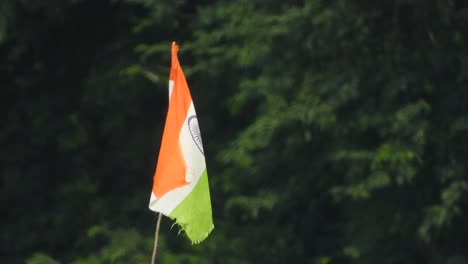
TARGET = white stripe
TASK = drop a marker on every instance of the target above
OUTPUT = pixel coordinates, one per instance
(170, 200)
(171, 87)
(194, 159)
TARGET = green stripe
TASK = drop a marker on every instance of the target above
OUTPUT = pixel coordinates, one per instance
(193, 214)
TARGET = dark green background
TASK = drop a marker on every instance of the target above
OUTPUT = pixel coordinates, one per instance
(334, 131)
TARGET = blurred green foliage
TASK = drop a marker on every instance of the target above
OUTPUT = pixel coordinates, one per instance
(335, 131)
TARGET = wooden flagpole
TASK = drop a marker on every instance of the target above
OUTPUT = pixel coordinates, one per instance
(156, 235)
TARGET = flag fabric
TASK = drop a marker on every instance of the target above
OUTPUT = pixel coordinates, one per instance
(180, 188)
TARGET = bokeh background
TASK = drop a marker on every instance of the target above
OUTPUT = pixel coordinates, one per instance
(334, 131)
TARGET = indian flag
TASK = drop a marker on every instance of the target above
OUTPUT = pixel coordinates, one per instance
(180, 188)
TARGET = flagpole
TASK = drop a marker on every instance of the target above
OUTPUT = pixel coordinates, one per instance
(156, 235)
